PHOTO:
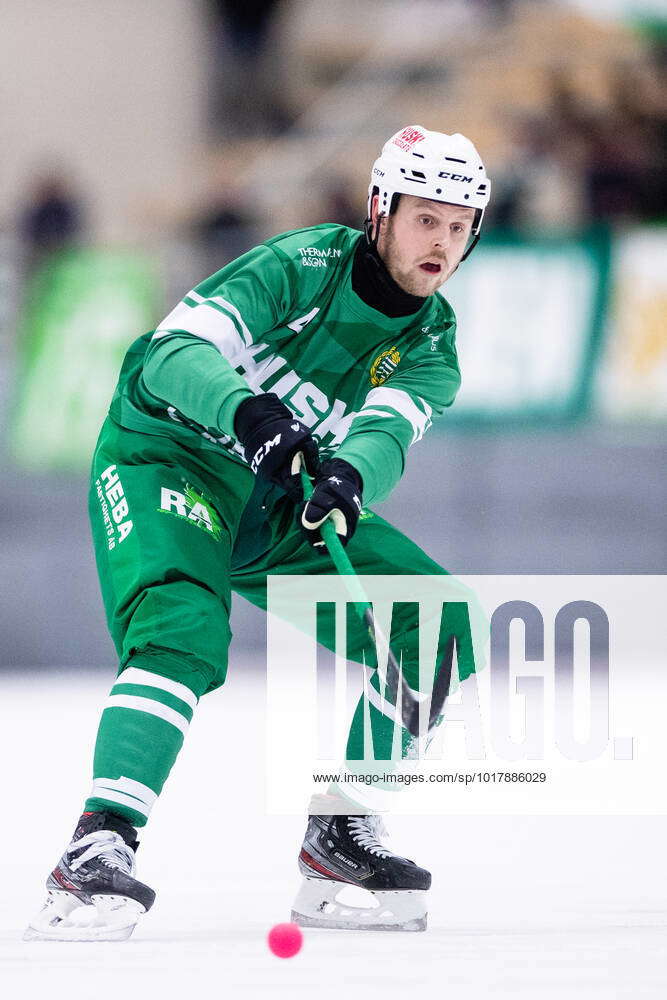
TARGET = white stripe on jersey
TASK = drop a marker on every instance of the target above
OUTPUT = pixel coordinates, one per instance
(224, 304)
(403, 404)
(207, 322)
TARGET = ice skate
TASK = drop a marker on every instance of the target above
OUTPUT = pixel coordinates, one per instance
(340, 852)
(92, 894)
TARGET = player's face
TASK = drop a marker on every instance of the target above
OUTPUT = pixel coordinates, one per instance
(422, 243)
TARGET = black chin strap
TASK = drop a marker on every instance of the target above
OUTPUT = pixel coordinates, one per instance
(372, 234)
(470, 249)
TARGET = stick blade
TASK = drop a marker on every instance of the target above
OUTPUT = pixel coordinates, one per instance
(442, 683)
(410, 712)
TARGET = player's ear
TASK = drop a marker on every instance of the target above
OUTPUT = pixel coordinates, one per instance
(374, 208)
(377, 216)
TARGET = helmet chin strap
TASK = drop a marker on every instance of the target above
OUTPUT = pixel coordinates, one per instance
(372, 232)
(476, 225)
(469, 250)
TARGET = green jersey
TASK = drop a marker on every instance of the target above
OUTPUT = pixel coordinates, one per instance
(284, 318)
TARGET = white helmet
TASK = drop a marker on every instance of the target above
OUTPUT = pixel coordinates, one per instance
(430, 165)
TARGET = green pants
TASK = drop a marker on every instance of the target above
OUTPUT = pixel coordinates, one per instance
(175, 531)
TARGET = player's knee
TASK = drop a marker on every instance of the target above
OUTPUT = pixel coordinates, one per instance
(180, 630)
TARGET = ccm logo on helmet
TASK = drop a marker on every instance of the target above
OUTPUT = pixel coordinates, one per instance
(455, 177)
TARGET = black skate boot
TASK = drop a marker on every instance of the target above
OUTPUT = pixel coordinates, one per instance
(340, 851)
(97, 872)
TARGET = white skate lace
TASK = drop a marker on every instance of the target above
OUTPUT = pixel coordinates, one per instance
(366, 830)
(106, 845)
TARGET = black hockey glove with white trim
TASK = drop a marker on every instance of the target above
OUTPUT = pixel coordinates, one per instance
(275, 442)
(337, 495)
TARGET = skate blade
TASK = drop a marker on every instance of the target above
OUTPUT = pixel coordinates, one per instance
(353, 924)
(317, 905)
(64, 918)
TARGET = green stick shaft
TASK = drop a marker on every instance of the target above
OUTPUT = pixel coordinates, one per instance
(411, 715)
(393, 680)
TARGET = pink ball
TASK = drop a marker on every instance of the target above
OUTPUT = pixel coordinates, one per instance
(285, 940)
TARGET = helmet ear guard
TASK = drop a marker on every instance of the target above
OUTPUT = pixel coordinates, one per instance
(373, 231)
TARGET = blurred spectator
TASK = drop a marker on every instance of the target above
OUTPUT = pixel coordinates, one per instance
(341, 204)
(625, 172)
(53, 217)
(540, 187)
(225, 228)
(247, 22)
(577, 164)
(245, 92)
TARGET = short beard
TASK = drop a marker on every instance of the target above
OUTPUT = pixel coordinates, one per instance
(408, 283)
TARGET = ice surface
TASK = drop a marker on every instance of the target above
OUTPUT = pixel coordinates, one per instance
(567, 907)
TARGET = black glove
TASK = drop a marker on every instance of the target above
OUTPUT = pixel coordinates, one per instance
(336, 494)
(274, 441)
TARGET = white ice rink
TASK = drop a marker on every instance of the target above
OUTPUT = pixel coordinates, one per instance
(541, 907)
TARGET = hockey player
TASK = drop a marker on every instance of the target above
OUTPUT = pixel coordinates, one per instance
(323, 346)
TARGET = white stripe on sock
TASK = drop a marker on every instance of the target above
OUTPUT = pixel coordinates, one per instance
(123, 800)
(134, 675)
(124, 786)
(149, 706)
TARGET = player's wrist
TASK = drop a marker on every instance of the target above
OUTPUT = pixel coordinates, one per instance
(255, 410)
(227, 411)
(341, 468)
(336, 496)
(275, 442)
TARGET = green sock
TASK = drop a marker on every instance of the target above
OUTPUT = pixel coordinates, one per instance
(141, 731)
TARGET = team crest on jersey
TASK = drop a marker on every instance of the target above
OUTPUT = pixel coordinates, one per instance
(385, 365)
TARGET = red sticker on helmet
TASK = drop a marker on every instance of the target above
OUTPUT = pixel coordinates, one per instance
(407, 138)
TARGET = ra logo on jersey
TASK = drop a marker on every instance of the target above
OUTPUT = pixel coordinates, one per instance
(192, 507)
(385, 365)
